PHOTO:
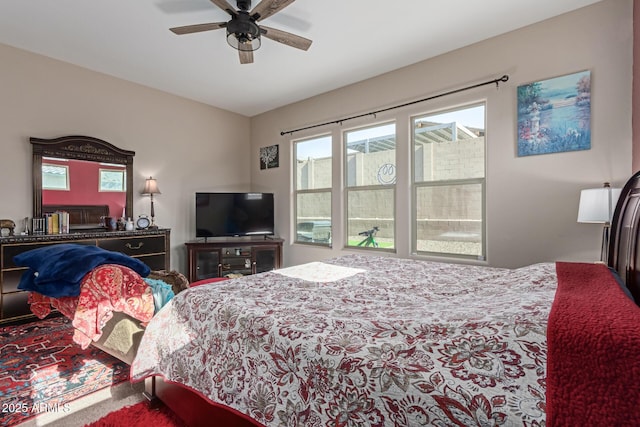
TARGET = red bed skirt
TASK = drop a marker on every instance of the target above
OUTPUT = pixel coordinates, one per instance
(193, 408)
(593, 360)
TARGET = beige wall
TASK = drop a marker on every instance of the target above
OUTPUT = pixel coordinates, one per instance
(186, 145)
(531, 201)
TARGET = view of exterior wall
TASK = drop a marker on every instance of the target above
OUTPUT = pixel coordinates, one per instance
(314, 173)
(459, 159)
(449, 219)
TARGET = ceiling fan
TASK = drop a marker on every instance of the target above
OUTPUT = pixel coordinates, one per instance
(243, 32)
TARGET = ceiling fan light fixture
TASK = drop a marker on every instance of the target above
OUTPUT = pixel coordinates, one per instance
(242, 33)
(243, 41)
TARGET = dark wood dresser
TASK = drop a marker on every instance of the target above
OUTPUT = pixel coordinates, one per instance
(150, 246)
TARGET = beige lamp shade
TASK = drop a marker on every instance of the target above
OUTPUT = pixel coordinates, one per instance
(151, 186)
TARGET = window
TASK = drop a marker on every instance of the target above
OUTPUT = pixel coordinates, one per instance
(55, 177)
(112, 180)
(312, 189)
(370, 155)
(449, 182)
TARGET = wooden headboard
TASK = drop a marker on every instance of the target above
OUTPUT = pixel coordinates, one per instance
(81, 216)
(624, 250)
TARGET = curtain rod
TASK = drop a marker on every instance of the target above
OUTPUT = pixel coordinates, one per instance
(373, 113)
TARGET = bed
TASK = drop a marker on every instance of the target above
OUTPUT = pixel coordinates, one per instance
(361, 340)
(365, 340)
(380, 341)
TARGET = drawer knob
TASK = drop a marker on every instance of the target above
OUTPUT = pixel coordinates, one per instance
(138, 246)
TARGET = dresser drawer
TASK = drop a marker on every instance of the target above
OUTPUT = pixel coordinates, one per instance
(155, 262)
(11, 280)
(135, 246)
(9, 251)
(15, 305)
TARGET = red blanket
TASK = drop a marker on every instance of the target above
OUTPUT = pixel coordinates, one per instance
(105, 289)
(593, 366)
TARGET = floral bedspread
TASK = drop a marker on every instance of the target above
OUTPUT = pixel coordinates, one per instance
(363, 341)
(105, 289)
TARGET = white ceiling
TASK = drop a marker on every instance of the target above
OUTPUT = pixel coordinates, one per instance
(352, 40)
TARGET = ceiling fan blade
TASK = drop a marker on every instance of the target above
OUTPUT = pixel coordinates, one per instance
(222, 4)
(286, 38)
(246, 56)
(188, 29)
(266, 8)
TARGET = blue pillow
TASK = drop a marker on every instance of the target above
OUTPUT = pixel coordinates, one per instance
(57, 270)
(162, 293)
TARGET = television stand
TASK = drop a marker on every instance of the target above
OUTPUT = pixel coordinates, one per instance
(231, 257)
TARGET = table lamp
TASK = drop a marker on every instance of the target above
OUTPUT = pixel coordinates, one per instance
(596, 207)
(151, 188)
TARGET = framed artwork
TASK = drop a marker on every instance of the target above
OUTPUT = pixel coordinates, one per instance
(269, 157)
(554, 115)
(112, 180)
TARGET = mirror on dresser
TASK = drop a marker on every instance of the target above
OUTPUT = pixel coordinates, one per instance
(110, 179)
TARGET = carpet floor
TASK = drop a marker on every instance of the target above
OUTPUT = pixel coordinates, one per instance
(140, 415)
(44, 374)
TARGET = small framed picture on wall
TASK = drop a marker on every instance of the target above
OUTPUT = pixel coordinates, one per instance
(269, 157)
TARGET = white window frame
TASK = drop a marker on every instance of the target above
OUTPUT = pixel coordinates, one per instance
(415, 186)
(347, 189)
(319, 235)
(45, 185)
(105, 185)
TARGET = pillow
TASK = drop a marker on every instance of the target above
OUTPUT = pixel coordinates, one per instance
(161, 291)
(57, 270)
(177, 280)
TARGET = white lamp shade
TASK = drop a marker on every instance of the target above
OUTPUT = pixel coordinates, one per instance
(597, 204)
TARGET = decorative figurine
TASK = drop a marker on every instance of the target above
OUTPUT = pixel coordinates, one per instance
(7, 227)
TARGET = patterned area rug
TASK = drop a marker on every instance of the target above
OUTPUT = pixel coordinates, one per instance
(42, 370)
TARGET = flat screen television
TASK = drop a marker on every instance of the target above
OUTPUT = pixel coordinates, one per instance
(234, 214)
